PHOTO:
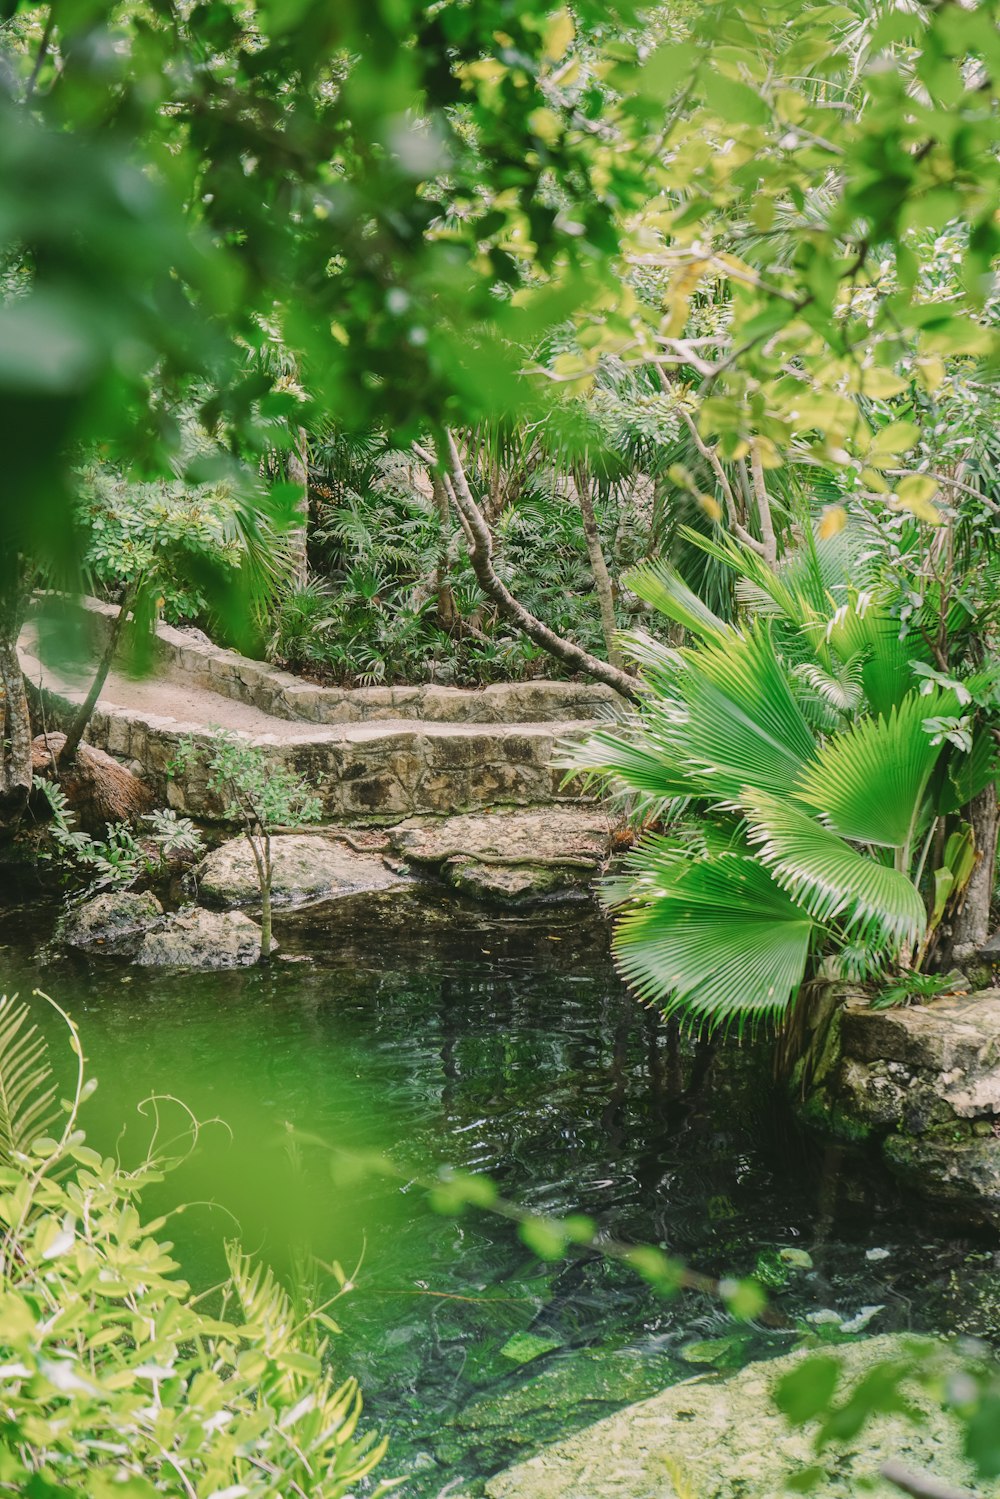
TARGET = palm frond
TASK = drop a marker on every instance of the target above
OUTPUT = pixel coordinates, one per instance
(660, 585)
(873, 903)
(869, 783)
(27, 1093)
(743, 725)
(714, 941)
(865, 628)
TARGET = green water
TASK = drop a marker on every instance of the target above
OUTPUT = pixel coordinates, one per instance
(438, 1035)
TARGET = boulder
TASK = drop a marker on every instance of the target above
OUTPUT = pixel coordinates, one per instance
(717, 1438)
(512, 857)
(196, 938)
(113, 922)
(307, 867)
(923, 1083)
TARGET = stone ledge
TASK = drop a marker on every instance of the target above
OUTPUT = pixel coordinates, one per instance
(920, 1081)
(185, 656)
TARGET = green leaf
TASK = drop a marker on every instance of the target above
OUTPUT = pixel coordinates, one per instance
(830, 879)
(869, 782)
(716, 942)
(659, 584)
(743, 725)
(806, 1392)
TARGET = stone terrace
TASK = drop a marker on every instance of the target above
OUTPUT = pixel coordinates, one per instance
(374, 754)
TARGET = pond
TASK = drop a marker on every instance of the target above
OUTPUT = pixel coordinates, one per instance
(435, 1034)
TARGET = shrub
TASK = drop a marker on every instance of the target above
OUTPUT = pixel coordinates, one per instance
(114, 1379)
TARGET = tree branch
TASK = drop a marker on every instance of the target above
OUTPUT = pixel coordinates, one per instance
(481, 557)
(920, 1485)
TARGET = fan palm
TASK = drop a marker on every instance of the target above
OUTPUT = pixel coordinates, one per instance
(792, 833)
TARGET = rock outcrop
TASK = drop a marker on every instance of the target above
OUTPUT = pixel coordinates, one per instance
(307, 867)
(551, 853)
(113, 922)
(720, 1438)
(196, 938)
(923, 1081)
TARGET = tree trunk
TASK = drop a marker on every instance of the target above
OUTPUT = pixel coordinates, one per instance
(971, 926)
(599, 568)
(265, 903)
(481, 557)
(767, 536)
(298, 473)
(15, 720)
(85, 712)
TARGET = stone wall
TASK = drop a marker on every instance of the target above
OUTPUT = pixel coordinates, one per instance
(363, 772)
(184, 655)
(921, 1083)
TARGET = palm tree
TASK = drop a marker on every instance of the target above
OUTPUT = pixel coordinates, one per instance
(808, 767)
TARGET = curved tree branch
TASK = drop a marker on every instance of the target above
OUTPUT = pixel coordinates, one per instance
(481, 557)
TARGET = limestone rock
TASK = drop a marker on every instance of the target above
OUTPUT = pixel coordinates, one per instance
(924, 1082)
(113, 922)
(306, 868)
(718, 1438)
(196, 938)
(512, 856)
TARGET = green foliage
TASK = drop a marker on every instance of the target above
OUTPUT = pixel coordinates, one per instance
(258, 794)
(117, 1379)
(794, 833)
(114, 861)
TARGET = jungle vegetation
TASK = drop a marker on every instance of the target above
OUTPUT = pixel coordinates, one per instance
(654, 344)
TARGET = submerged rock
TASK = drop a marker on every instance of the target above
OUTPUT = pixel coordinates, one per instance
(113, 922)
(717, 1438)
(196, 938)
(306, 867)
(512, 856)
(923, 1081)
(505, 1424)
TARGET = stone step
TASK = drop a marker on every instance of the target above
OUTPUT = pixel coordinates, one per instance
(187, 659)
(380, 771)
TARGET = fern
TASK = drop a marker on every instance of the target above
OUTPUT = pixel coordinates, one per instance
(27, 1094)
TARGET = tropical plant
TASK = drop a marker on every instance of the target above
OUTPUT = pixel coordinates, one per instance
(809, 776)
(116, 1378)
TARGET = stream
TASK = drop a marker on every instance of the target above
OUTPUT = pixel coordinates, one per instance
(429, 1033)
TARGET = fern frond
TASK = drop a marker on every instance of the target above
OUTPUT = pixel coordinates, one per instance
(27, 1093)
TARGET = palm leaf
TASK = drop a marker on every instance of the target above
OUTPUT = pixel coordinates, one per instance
(636, 761)
(968, 774)
(866, 628)
(714, 941)
(660, 585)
(879, 907)
(869, 782)
(743, 725)
(27, 1093)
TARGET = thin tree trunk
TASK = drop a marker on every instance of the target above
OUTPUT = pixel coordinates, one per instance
(298, 474)
(599, 568)
(15, 719)
(85, 712)
(481, 557)
(265, 902)
(767, 537)
(971, 926)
